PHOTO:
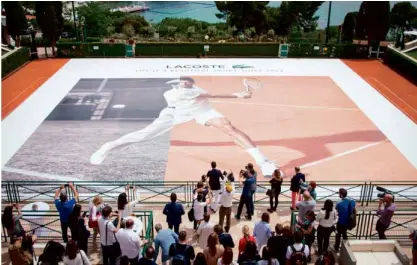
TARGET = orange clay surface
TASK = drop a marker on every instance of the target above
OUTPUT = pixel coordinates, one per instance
(297, 121)
(398, 90)
(16, 88)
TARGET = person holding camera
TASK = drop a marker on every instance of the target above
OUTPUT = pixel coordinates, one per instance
(296, 181)
(246, 180)
(64, 207)
(385, 214)
(214, 175)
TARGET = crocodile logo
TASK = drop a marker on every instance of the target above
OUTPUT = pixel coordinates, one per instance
(242, 66)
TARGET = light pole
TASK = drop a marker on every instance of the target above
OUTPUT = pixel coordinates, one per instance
(328, 22)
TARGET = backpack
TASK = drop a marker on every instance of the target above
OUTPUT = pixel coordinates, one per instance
(352, 216)
(179, 258)
(52, 254)
(298, 257)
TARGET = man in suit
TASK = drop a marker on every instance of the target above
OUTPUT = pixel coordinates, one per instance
(174, 211)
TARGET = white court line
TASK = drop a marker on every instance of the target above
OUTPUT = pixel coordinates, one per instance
(389, 90)
(283, 105)
(342, 154)
(103, 83)
(39, 174)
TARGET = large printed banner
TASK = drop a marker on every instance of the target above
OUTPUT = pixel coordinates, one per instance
(164, 125)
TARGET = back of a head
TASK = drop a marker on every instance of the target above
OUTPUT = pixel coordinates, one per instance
(129, 223)
(278, 229)
(71, 250)
(286, 231)
(249, 166)
(124, 260)
(212, 240)
(200, 259)
(206, 217)
(266, 254)
(227, 257)
(218, 229)
(158, 227)
(106, 211)
(343, 193)
(306, 195)
(329, 258)
(200, 196)
(200, 185)
(7, 217)
(173, 197)
(63, 197)
(265, 217)
(213, 164)
(122, 201)
(246, 231)
(313, 184)
(150, 252)
(298, 236)
(182, 236)
(27, 242)
(297, 169)
(97, 200)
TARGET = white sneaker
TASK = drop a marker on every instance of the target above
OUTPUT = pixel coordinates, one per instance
(268, 167)
(98, 157)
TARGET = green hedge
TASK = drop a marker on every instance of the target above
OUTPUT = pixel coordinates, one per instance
(215, 49)
(297, 50)
(14, 61)
(90, 49)
(402, 64)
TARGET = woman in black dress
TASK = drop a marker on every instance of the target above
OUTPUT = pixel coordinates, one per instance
(79, 232)
(276, 183)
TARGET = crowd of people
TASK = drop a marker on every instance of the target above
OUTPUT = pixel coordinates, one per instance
(121, 244)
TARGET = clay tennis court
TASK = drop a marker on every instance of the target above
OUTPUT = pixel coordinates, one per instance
(295, 119)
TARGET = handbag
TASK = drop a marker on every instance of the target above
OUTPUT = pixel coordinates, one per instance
(116, 246)
(92, 223)
(270, 193)
(191, 213)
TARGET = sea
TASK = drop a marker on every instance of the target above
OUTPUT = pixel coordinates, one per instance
(206, 10)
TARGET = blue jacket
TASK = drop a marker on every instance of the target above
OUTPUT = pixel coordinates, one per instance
(164, 239)
(173, 211)
(226, 240)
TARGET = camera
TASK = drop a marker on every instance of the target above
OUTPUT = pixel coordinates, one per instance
(383, 192)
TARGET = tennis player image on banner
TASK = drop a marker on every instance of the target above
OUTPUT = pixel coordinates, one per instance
(171, 128)
(186, 101)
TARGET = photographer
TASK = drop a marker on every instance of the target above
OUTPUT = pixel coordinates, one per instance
(64, 207)
(246, 180)
(385, 214)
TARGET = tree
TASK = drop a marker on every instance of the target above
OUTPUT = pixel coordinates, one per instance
(402, 14)
(294, 14)
(348, 29)
(373, 21)
(50, 20)
(15, 20)
(97, 18)
(128, 30)
(243, 15)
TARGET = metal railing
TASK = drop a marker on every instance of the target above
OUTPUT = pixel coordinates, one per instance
(366, 224)
(46, 225)
(157, 192)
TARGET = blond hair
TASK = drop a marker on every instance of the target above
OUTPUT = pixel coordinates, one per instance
(246, 231)
(97, 200)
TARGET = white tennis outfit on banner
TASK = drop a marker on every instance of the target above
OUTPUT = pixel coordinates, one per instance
(184, 104)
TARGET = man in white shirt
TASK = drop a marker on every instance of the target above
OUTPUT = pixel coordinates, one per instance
(297, 246)
(107, 238)
(187, 102)
(226, 202)
(130, 242)
(204, 230)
